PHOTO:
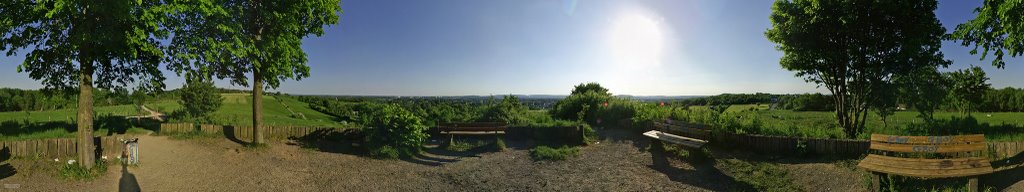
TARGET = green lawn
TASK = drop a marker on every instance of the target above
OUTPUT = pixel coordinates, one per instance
(236, 110)
(22, 125)
(1000, 126)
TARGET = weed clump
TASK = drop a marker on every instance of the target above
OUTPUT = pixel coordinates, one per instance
(542, 153)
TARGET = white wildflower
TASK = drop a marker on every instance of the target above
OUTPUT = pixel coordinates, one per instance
(104, 157)
(56, 160)
(71, 161)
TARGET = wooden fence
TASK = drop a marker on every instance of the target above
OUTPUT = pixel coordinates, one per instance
(243, 132)
(61, 148)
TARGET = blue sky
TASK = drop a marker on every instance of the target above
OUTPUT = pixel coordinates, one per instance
(643, 47)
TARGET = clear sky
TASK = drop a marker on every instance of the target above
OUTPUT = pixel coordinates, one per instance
(471, 47)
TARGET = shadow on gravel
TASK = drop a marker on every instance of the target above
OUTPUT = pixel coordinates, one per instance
(1006, 178)
(345, 141)
(6, 170)
(229, 132)
(704, 175)
(128, 181)
(623, 135)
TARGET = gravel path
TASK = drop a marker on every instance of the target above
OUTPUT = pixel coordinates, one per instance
(618, 163)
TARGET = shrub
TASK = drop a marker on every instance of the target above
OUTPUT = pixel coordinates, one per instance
(509, 111)
(393, 131)
(541, 153)
(582, 104)
(199, 98)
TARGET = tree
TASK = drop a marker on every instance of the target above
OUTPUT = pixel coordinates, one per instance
(102, 44)
(968, 88)
(582, 104)
(856, 48)
(924, 89)
(229, 38)
(199, 98)
(588, 87)
(998, 27)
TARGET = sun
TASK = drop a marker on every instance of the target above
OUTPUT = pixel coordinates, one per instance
(635, 40)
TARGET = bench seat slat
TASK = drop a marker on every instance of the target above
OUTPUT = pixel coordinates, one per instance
(912, 163)
(876, 164)
(686, 141)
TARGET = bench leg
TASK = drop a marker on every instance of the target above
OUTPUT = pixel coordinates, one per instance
(876, 184)
(972, 184)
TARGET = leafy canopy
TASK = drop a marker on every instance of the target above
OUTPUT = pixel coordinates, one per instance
(115, 40)
(998, 27)
(229, 38)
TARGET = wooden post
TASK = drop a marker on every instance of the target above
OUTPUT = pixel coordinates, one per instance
(972, 184)
(876, 183)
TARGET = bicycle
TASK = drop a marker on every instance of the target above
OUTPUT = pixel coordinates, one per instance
(130, 152)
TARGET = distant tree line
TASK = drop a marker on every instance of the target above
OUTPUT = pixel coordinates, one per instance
(1003, 100)
(42, 100)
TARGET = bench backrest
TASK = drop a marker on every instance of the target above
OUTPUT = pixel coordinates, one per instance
(472, 126)
(681, 128)
(928, 144)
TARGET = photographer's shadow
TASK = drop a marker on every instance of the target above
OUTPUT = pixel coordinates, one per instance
(128, 181)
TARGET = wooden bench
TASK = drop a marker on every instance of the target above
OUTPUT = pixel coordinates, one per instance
(673, 132)
(928, 157)
(471, 128)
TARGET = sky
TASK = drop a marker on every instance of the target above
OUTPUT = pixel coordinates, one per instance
(641, 47)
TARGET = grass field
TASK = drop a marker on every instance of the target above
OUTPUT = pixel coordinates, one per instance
(236, 110)
(997, 126)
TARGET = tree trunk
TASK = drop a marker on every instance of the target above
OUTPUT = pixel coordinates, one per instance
(257, 107)
(86, 151)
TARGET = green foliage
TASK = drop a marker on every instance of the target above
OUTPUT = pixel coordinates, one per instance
(998, 27)
(856, 47)
(74, 171)
(807, 102)
(545, 153)
(590, 87)
(759, 175)
(229, 38)
(509, 110)
(580, 106)
(71, 39)
(968, 89)
(393, 128)
(924, 90)
(199, 98)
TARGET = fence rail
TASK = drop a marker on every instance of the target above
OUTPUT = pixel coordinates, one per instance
(243, 132)
(60, 147)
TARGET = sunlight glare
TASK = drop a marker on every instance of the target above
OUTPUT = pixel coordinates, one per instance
(636, 41)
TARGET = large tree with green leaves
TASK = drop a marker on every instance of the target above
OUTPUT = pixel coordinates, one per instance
(85, 44)
(998, 27)
(229, 39)
(967, 89)
(856, 48)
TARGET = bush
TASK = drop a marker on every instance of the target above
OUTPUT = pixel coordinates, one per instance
(582, 104)
(199, 98)
(509, 111)
(393, 131)
(541, 153)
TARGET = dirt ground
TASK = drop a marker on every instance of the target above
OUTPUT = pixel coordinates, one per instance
(619, 162)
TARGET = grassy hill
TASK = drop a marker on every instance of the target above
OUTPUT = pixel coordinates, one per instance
(236, 110)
